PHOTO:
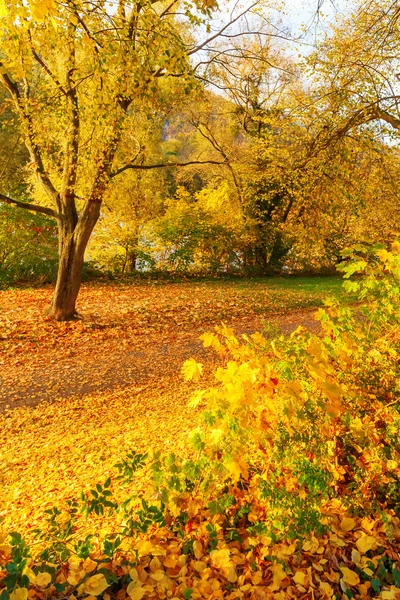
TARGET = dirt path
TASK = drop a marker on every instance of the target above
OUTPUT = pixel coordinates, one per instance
(111, 359)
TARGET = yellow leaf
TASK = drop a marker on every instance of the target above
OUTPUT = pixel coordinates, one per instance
(396, 246)
(195, 399)
(231, 574)
(192, 370)
(145, 547)
(63, 517)
(388, 595)
(227, 332)
(347, 524)
(158, 575)
(355, 557)
(96, 585)
(221, 558)
(199, 566)
(155, 564)
(299, 578)
(365, 543)
(215, 437)
(258, 339)
(198, 549)
(392, 465)
(19, 594)
(134, 591)
(133, 584)
(30, 574)
(208, 339)
(256, 578)
(170, 562)
(89, 565)
(350, 577)
(368, 524)
(3, 9)
(43, 579)
(234, 469)
(326, 589)
(278, 576)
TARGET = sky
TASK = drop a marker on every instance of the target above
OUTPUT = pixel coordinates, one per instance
(305, 18)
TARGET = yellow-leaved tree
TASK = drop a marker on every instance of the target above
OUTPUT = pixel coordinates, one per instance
(77, 76)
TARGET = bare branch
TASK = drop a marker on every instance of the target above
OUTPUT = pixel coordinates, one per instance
(28, 206)
(220, 31)
(214, 143)
(165, 165)
(85, 27)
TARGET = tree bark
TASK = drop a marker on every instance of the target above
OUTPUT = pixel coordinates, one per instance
(72, 246)
(132, 258)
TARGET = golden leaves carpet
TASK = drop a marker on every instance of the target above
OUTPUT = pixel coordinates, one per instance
(49, 453)
(116, 373)
(129, 333)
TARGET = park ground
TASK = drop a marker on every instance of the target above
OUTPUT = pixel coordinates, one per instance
(75, 397)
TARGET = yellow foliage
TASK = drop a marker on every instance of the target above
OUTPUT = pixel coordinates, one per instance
(350, 577)
(347, 524)
(96, 585)
(19, 594)
(366, 543)
(191, 369)
(43, 579)
(3, 9)
(221, 558)
(135, 590)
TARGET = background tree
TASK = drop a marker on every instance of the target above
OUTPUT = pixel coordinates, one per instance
(77, 74)
(28, 241)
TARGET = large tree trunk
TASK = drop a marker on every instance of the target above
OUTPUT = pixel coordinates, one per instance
(131, 262)
(261, 250)
(279, 250)
(72, 246)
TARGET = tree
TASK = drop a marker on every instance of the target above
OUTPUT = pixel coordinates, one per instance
(77, 74)
(297, 129)
(199, 232)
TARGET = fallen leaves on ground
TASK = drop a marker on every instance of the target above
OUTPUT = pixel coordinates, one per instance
(50, 453)
(128, 333)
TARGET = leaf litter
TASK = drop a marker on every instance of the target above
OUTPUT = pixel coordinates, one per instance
(52, 452)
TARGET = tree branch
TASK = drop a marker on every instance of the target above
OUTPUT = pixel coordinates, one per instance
(211, 139)
(165, 165)
(379, 113)
(44, 66)
(71, 152)
(29, 136)
(220, 32)
(28, 206)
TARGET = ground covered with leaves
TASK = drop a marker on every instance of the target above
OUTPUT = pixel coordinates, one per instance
(129, 347)
(132, 334)
(278, 479)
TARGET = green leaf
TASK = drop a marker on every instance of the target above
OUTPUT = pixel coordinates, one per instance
(376, 585)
